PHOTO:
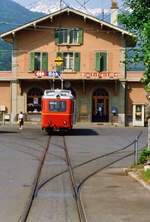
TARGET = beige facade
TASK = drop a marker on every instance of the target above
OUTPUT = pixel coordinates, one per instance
(5, 95)
(92, 68)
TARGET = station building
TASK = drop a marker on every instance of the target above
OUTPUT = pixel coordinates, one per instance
(76, 51)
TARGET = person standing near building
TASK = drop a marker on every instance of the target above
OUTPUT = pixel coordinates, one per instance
(21, 120)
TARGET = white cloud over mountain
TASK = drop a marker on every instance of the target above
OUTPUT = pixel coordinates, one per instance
(46, 8)
(49, 6)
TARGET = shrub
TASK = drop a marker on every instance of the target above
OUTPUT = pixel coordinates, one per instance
(145, 154)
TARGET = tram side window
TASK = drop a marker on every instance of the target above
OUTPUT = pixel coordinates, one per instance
(57, 106)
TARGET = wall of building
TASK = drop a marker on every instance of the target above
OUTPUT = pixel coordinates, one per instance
(5, 95)
(135, 94)
(94, 38)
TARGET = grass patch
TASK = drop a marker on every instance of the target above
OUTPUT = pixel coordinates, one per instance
(145, 175)
(139, 166)
(144, 156)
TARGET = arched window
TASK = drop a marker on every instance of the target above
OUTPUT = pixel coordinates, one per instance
(100, 92)
(34, 100)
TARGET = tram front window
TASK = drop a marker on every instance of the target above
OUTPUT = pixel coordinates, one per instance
(57, 106)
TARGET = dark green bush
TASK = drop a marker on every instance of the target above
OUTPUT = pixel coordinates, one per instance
(145, 154)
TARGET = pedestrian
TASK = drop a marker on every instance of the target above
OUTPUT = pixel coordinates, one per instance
(21, 120)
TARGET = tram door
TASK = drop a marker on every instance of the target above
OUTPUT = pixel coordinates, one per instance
(100, 106)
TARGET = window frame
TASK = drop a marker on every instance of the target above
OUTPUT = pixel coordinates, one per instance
(68, 69)
(31, 104)
(75, 63)
(69, 30)
(56, 108)
(32, 62)
(101, 52)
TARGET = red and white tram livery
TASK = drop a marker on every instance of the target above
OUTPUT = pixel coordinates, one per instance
(57, 109)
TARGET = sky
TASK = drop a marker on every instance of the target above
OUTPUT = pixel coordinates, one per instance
(105, 4)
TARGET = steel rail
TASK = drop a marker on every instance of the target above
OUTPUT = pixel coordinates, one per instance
(95, 172)
(35, 184)
(86, 162)
(79, 206)
(100, 169)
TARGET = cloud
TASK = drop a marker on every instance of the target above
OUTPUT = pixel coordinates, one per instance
(43, 7)
(50, 6)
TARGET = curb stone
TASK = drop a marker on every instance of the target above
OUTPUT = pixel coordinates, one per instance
(136, 177)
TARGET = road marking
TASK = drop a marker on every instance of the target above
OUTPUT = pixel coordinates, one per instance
(55, 163)
(58, 195)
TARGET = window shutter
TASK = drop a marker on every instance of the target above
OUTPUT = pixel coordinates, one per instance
(104, 56)
(57, 31)
(97, 61)
(80, 38)
(59, 68)
(32, 61)
(44, 61)
(76, 61)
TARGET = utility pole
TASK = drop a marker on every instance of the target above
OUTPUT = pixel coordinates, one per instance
(102, 14)
(84, 3)
(60, 4)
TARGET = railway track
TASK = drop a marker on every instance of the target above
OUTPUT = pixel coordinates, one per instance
(35, 183)
(76, 185)
(79, 206)
(34, 191)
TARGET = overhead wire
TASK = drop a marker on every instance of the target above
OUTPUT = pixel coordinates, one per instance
(78, 2)
(84, 7)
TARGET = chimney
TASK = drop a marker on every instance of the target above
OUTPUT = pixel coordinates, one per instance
(114, 13)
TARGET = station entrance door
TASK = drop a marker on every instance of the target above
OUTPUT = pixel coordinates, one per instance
(100, 109)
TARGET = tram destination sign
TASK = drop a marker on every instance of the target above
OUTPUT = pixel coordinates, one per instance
(53, 74)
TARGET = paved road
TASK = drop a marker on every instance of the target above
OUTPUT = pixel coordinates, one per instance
(21, 150)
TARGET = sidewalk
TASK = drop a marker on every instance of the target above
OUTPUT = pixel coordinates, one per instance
(113, 196)
(76, 125)
(134, 174)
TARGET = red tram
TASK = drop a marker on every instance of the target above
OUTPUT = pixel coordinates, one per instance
(57, 110)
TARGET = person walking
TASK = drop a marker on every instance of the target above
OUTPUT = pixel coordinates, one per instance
(21, 120)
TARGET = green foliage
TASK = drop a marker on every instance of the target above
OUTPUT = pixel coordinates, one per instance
(145, 154)
(137, 20)
(136, 15)
(146, 175)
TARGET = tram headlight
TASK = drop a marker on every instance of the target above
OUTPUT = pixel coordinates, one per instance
(49, 122)
(65, 123)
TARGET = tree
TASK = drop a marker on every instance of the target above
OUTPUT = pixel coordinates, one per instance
(136, 18)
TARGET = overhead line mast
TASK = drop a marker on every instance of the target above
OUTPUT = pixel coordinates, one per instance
(60, 4)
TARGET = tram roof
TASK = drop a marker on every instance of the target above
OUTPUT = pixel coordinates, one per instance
(57, 94)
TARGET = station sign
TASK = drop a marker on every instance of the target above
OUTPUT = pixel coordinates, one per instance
(105, 75)
(41, 74)
(53, 74)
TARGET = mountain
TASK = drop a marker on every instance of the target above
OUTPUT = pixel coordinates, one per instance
(12, 15)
